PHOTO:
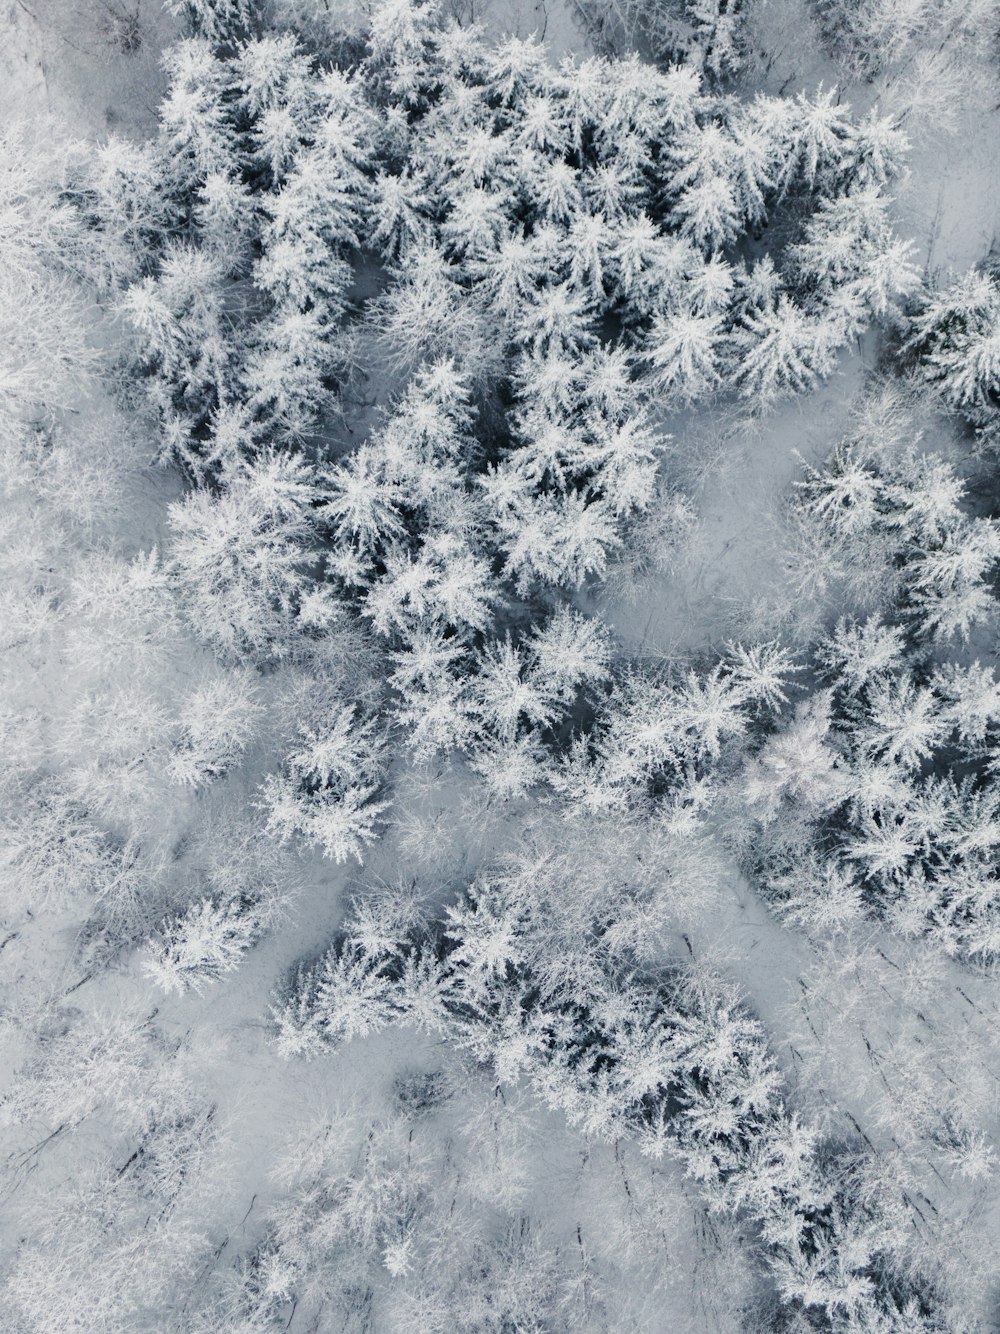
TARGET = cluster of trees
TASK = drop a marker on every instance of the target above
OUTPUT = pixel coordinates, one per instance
(953, 338)
(238, 885)
(662, 736)
(43, 313)
(599, 216)
(116, 1245)
(365, 1234)
(879, 796)
(875, 36)
(419, 1219)
(538, 260)
(891, 523)
(577, 243)
(113, 715)
(713, 36)
(529, 981)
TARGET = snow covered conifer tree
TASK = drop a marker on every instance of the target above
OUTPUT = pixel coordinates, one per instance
(346, 996)
(683, 350)
(242, 558)
(780, 348)
(198, 134)
(202, 945)
(327, 789)
(218, 722)
(185, 349)
(850, 260)
(955, 336)
(221, 22)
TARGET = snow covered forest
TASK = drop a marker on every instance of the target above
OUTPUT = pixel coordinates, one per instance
(499, 648)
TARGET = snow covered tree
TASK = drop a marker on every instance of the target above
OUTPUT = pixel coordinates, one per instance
(50, 851)
(244, 558)
(849, 260)
(43, 317)
(218, 722)
(125, 210)
(683, 351)
(221, 22)
(892, 519)
(570, 652)
(183, 344)
(446, 582)
(201, 945)
(781, 348)
(954, 335)
(350, 993)
(198, 133)
(327, 790)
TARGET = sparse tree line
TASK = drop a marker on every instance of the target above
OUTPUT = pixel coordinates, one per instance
(533, 985)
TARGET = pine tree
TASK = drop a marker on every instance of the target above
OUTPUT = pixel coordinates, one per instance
(571, 652)
(185, 349)
(345, 996)
(683, 349)
(218, 722)
(327, 789)
(780, 349)
(202, 945)
(197, 129)
(955, 336)
(50, 851)
(797, 764)
(221, 22)
(242, 558)
(507, 694)
(445, 583)
(850, 260)
(125, 208)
